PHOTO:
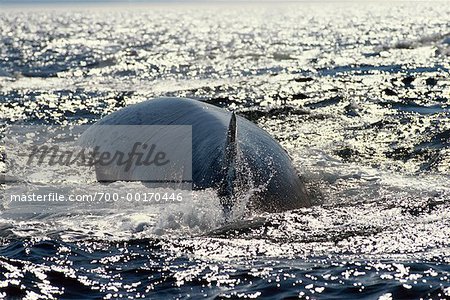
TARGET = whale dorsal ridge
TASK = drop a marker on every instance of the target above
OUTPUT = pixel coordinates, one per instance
(226, 190)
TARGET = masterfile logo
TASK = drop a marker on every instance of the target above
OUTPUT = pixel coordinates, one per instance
(150, 153)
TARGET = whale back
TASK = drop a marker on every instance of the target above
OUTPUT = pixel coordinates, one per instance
(260, 159)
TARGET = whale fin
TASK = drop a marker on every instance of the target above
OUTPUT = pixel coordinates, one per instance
(226, 191)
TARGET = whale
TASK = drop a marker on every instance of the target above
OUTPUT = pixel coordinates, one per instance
(229, 154)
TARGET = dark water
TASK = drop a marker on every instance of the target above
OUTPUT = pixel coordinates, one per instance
(359, 95)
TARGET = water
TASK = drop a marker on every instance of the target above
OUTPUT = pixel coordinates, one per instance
(358, 93)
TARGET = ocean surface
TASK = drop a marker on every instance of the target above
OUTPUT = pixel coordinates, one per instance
(357, 93)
